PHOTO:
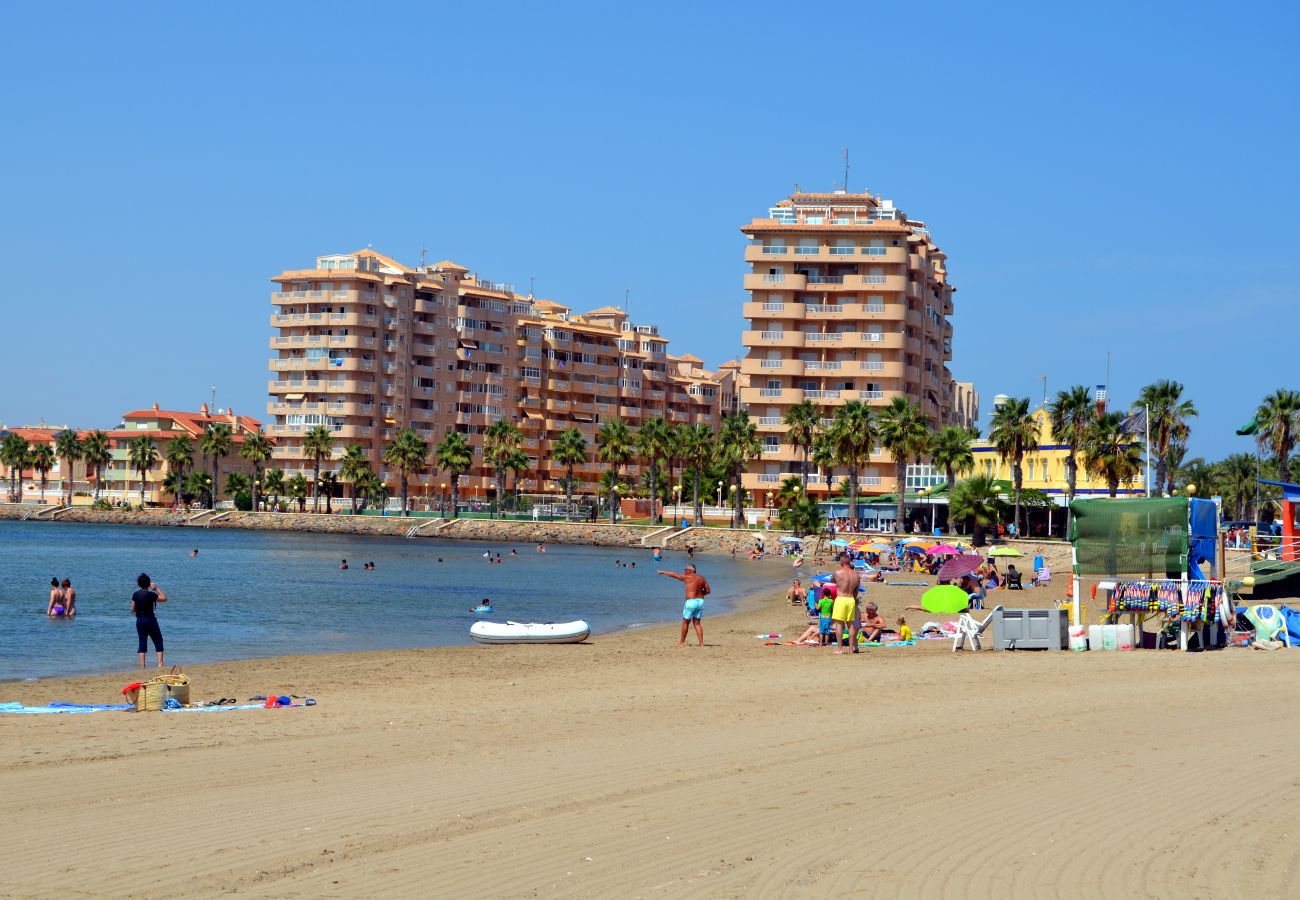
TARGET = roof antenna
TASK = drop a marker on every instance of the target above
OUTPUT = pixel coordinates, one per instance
(846, 170)
(213, 404)
(424, 251)
(627, 300)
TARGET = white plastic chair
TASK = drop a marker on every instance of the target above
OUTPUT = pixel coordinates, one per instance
(968, 627)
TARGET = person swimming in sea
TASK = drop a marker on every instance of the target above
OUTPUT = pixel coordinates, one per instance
(484, 607)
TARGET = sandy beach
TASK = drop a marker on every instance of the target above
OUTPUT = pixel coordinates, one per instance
(630, 767)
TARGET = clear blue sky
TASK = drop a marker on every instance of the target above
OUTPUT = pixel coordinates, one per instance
(1111, 177)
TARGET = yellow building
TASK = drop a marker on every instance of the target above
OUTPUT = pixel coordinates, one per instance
(1043, 467)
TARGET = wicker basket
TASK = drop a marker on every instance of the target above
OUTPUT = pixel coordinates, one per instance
(178, 685)
(151, 696)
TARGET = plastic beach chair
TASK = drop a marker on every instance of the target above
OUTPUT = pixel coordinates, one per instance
(969, 628)
(1042, 576)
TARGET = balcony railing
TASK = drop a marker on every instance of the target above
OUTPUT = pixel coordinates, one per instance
(768, 478)
(770, 420)
(873, 307)
(773, 307)
(774, 249)
(873, 251)
(873, 279)
(871, 337)
(819, 365)
(829, 338)
(871, 395)
(771, 448)
(842, 251)
(823, 307)
(769, 392)
(771, 278)
(771, 363)
(872, 365)
(807, 251)
(825, 279)
(821, 395)
(773, 335)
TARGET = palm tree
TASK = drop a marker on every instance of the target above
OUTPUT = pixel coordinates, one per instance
(15, 453)
(789, 491)
(738, 444)
(410, 453)
(975, 500)
(803, 516)
(1236, 476)
(331, 480)
(905, 433)
(1069, 416)
(823, 455)
(1110, 452)
(238, 483)
(802, 420)
(951, 451)
(67, 447)
(517, 463)
(1167, 415)
(1014, 432)
(95, 451)
(1279, 422)
(354, 468)
(215, 444)
(318, 446)
(257, 449)
(296, 489)
(371, 488)
(143, 456)
(501, 441)
(454, 455)
(179, 455)
(42, 460)
(654, 443)
(851, 437)
(699, 451)
(273, 485)
(199, 485)
(174, 483)
(569, 450)
(614, 447)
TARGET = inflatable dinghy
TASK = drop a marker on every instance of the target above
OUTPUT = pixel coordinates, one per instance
(530, 633)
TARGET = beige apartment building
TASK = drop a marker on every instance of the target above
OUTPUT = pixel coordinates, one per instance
(849, 299)
(366, 346)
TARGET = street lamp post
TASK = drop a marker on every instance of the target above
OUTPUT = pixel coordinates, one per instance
(444, 500)
(719, 495)
(257, 494)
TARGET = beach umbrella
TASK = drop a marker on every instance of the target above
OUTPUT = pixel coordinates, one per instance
(838, 542)
(880, 548)
(861, 545)
(946, 598)
(827, 578)
(957, 567)
(793, 540)
(916, 545)
(1005, 551)
(943, 550)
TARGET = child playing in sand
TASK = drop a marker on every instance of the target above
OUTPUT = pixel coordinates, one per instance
(904, 632)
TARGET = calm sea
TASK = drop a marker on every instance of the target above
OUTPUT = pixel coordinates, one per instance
(263, 594)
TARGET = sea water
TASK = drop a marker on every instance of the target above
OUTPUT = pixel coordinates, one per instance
(252, 593)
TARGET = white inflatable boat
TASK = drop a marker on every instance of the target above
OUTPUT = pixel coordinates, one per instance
(530, 633)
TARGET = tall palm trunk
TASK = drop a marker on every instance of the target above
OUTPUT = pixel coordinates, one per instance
(455, 496)
(1017, 479)
(315, 485)
(740, 497)
(900, 476)
(853, 492)
(405, 494)
(613, 497)
(216, 466)
(568, 493)
(695, 488)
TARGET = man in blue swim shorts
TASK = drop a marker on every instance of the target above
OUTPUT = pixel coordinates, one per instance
(696, 590)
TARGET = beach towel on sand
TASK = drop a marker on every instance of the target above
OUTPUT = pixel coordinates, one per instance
(61, 708)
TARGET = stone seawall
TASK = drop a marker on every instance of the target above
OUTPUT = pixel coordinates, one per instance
(705, 540)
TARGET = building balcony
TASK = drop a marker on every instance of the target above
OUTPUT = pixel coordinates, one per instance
(284, 298)
(881, 340)
(888, 283)
(772, 366)
(779, 310)
(785, 282)
(829, 337)
(756, 396)
(305, 341)
(815, 366)
(772, 339)
(771, 424)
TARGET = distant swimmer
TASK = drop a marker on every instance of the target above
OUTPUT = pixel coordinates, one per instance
(344, 564)
(541, 548)
(484, 607)
(514, 552)
(194, 552)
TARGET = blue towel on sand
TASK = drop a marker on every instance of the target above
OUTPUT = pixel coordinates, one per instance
(61, 708)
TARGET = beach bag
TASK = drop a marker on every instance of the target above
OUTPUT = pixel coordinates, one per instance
(150, 696)
(177, 684)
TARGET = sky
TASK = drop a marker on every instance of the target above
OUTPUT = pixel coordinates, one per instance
(1112, 178)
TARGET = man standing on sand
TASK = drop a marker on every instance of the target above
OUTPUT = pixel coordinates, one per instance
(696, 590)
(845, 613)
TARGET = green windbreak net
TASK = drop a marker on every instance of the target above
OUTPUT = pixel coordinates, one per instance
(1130, 537)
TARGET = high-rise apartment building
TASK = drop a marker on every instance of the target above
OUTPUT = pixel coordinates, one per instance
(848, 300)
(366, 346)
